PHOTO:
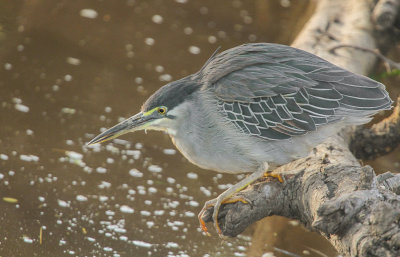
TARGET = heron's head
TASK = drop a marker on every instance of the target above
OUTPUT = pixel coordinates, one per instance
(160, 112)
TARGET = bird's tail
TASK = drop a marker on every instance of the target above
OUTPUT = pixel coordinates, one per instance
(362, 98)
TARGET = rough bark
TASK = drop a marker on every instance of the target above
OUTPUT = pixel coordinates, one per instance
(385, 13)
(380, 139)
(329, 192)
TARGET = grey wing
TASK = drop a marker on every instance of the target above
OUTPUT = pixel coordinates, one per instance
(276, 92)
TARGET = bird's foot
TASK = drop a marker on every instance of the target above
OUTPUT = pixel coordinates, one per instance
(274, 175)
(216, 203)
(229, 197)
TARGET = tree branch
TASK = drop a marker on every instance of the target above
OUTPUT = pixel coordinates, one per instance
(380, 139)
(385, 13)
(388, 63)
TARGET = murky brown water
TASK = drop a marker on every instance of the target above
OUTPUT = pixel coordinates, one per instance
(69, 68)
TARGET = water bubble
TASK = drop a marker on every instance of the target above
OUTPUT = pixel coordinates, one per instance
(205, 191)
(149, 41)
(252, 37)
(27, 240)
(110, 213)
(141, 244)
(73, 61)
(165, 77)
(68, 110)
(21, 108)
(101, 170)
(103, 198)
(107, 249)
(134, 153)
(247, 19)
(62, 203)
(194, 49)
(169, 151)
(128, 47)
(173, 204)
(150, 224)
(17, 100)
(158, 19)
(126, 209)
(268, 254)
(104, 184)
(130, 54)
(188, 30)
(68, 77)
(123, 238)
(152, 190)
(154, 168)
(212, 39)
(74, 155)
(171, 180)
(159, 212)
(107, 109)
(81, 198)
(28, 158)
(285, 3)
(172, 245)
(193, 203)
(159, 68)
(145, 213)
(138, 80)
(192, 175)
(88, 13)
(189, 214)
(203, 10)
(135, 173)
(8, 66)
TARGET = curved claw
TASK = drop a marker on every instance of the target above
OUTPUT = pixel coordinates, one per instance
(206, 206)
(216, 203)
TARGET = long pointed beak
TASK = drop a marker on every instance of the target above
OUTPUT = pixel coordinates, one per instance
(133, 123)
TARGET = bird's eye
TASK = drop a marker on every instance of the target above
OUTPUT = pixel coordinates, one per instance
(162, 110)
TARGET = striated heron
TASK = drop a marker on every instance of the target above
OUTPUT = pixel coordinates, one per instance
(255, 107)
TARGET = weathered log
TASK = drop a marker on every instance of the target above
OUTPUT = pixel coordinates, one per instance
(329, 192)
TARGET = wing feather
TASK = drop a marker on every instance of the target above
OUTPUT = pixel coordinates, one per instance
(276, 92)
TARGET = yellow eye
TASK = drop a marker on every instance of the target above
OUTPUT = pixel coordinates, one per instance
(162, 110)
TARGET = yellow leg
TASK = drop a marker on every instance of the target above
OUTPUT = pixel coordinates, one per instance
(274, 175)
